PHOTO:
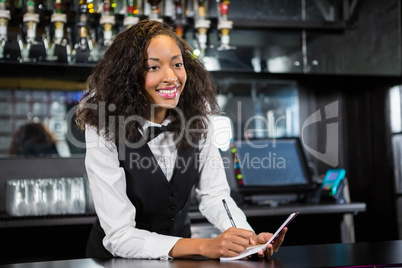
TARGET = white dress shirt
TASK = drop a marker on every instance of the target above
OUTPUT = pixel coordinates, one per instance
(116, 212)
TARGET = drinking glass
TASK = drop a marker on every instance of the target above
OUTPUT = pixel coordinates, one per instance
(59, 196)
(16, 203)
(76, 195)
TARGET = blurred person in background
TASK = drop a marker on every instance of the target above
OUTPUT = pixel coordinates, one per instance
(33, 139)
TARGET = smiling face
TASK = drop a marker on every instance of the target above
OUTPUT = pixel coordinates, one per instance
(165, 77)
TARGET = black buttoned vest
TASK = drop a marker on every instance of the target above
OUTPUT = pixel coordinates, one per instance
(161, 206)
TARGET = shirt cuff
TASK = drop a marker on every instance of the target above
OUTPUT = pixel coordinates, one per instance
(159, 248)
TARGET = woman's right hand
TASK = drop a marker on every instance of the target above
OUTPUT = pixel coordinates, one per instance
(228, 244)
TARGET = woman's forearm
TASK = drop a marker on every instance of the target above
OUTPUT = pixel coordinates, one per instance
(188, 247)
(228, 244)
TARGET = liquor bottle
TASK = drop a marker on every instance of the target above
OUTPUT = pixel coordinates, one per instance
(84, 45)
(131, 17)
(57, 47)
(30, 19)
(224, 24)
(32, 50)
(107, 21)
(155, 10)
(202, 24)
(59, 19)
(4, 18)
(179, 17)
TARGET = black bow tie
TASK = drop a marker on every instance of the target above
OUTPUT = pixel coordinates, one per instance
(152, 131)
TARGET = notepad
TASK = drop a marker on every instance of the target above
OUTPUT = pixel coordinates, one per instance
(255, 249)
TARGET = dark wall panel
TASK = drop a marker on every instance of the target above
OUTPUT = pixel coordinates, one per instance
(370, 45)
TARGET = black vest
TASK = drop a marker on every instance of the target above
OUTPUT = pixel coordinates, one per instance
(161, 206)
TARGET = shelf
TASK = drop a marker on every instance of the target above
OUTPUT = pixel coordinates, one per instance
(50, 220)
(250, 211)
(264, 211)
(40, 84)
(77, 74)
(264, 24)
(50, 70)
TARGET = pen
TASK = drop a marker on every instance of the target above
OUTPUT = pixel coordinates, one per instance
(228, 212)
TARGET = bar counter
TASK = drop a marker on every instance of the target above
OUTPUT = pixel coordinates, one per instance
(379, 254)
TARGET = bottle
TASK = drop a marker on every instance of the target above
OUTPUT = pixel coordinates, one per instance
(155, 10)
(83, 46)
(107, 21)
(4, 18)
(131, 18)
(178, 17)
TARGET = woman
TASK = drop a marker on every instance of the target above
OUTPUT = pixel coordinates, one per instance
(140, 182)
(33, 139)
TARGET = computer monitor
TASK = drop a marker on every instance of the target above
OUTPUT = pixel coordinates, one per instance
(271, 166)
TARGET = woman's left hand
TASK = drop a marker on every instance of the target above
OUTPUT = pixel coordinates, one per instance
(263, 238)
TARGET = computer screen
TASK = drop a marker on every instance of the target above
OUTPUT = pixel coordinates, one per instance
(271, 165)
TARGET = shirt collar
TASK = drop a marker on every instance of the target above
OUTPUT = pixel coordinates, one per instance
(165, 122)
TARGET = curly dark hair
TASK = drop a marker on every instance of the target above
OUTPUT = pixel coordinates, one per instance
(118, 80)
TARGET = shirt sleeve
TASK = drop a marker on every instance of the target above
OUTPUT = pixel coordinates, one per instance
(213, 187)
(115, 211)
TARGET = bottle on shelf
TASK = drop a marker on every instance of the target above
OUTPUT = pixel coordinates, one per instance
(178, 17)
(224, 24)
(155, 10)
(202, 24)
(32, 50)
(107, 21)
(57, 47)
(80, 31)
(131, 17)
(84, 49)
(4, 18)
